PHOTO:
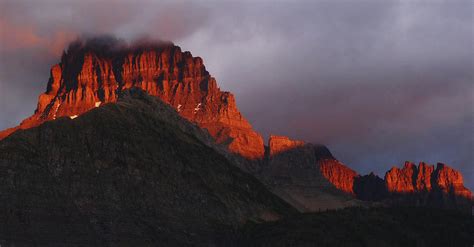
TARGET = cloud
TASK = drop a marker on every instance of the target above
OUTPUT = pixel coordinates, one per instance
(379, 83)
(18, 37)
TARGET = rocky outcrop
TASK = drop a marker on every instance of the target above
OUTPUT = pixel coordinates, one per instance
(428, 186)
(402, 180)
(94, 72)
(280, 144)
(425, 178)
(450, 181)
(338, 174)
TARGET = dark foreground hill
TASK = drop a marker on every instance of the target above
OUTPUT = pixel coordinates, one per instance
(373, 227)
(130, 173)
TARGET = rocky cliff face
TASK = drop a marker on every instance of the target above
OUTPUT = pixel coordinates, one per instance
(281, 144)
(94, 72)
(402, 180)
(341, 176)
(425, 178)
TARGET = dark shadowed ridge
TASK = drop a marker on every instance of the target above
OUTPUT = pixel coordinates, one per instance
(132, 172)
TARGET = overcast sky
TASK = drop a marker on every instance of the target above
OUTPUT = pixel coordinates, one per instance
(379, 82)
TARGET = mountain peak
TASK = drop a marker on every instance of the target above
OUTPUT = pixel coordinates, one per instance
(94, 71)
(425, 178)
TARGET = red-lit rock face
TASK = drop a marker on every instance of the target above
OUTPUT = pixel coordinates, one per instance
(425, 178)
(401, 180)
(86, 78)
(450, 181)
(341, 176)
(280, 144)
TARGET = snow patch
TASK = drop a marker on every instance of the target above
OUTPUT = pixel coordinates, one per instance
(197, 108)
(179, 107)
(72, 117)
(97, 104)
(56, 110)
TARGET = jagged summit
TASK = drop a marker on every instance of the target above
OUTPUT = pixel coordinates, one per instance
(426, 178)
(95, 71)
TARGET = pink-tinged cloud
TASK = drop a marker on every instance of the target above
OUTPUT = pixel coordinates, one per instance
(15, 36)
(26, 36)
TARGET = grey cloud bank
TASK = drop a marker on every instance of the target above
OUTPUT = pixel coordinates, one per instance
(379, 82)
